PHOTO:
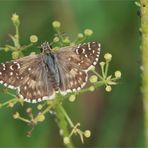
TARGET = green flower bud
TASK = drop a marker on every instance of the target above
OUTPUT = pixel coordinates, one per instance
(15, 19)
(39, 107)
(87, 133)
(102, 64)
(56, 39)
(72, 98)
(29, 110)
(16, 115)
(80, 35)
(118, 74)
(56, 24)
(40, 118)
(93, 79)
(66, 40)
(15, 55)
(108, 57)
(11, 105)
(66, 140)
(6, 49)
(92, 88)
(33, 38)
(88, 32)
(108, 88)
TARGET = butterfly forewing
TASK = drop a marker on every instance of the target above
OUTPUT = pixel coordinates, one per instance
(74, 62)
(83, 56)
(30, 76)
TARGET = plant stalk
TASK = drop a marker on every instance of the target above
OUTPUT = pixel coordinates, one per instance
(144, 48)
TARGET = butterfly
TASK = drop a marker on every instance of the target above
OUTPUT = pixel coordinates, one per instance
(39, 77)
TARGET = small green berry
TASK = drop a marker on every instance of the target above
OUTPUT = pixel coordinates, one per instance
(66, 140)
(72, 98)
(88, 32)
(56, 24)
(87, 133)
(108, 88)
(108, 57)
(118, 74)
(93, 79)
(33, 38)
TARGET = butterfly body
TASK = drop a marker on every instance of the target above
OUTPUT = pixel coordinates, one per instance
(52, 69)
(39, 77)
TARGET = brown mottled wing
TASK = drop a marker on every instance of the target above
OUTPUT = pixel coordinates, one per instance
(74, 62)
(29, 75)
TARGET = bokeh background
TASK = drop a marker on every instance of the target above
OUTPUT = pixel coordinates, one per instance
(115, 118)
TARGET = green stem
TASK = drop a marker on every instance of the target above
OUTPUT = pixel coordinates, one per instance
(62, 123)
(97, 74)
(25, 120)
(7, 102)
(106, 69)
(66, 116)
(144, 46)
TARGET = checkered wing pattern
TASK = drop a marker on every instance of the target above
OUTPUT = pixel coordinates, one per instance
(29, 75)
(74, 63)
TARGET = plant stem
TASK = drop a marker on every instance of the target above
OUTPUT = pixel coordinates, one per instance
(144, 30)
(62, 123)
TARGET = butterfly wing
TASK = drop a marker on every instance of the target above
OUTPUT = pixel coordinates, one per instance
(30, 76)
(74, 62)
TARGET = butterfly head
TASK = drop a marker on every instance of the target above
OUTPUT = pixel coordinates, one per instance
(46, 47)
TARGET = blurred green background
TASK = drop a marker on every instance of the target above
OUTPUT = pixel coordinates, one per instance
(116, 118)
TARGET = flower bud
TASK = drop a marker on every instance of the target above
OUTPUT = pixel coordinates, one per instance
(66, 40)
(11, 105)
(16, 115)
(6, 49)
(56, 24)
(39, 107)
(15, 19)
(91, 88)
(15, 55)
(72, 98)
(93, 79)
(66, 140)
(80, 35)
(108, 57)
(87, 133)
(108, 88)
(33, 38)
(102, 64)
(56, 39)
(117, 74)
(88, 32)
(40, 118)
